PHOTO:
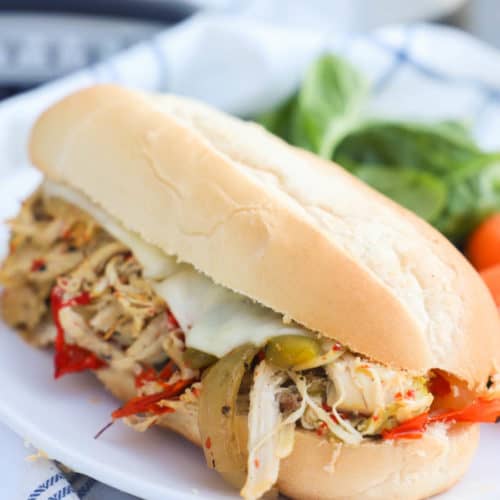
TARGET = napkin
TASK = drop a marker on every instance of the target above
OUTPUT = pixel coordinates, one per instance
(243, 67)
(26, 473)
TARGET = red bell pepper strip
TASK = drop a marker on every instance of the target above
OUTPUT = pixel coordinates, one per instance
(38, 265)
(147, 375)
(484, 410)
(172, 322)
(481, 410)
(411, 429)
(70, 358)
(149, 404)
(438, 385)
(151, 375)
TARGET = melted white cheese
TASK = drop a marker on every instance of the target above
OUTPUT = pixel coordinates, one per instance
(190, 295)
(214, 319)
(156, 264)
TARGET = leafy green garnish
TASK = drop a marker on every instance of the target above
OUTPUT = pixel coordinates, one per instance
(435, 170)
(473, 195)
(434, 148)
(279, 120)
(468, 177)
(329, 104)
(421, 192)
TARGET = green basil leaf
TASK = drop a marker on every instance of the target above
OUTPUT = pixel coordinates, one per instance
(420, 192)
(279, 120)
(457, 130)
(473, 195)
(326, 107)
(329, 104)
(438, 149)
(435, 170)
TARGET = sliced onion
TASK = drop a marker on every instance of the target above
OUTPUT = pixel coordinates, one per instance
(225, 450)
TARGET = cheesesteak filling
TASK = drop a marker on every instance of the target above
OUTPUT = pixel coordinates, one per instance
(85, 285)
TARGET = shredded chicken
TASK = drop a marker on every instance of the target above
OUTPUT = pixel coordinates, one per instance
(271, 429)
(129, 327)
(264, 441)
(148, 347)
(174, 346)
(125, 323)
(338, 426)
(22, 307)
(381, 395)
(49, 238)
(78, 332)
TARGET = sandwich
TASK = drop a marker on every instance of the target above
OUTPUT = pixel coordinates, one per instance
(309, 334)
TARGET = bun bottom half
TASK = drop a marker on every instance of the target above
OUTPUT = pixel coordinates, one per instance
(320, 470)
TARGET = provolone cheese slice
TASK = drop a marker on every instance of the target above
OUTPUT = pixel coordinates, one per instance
(214, 319)
(156, 264)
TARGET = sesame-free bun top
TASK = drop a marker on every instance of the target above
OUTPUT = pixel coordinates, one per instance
(294, 232)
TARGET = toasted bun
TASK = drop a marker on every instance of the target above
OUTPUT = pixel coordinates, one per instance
(318, 469)
(293, 232)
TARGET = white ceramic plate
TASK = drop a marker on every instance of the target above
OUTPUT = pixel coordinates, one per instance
(61, 417)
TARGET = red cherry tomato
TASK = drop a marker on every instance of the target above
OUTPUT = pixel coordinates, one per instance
(483, 247)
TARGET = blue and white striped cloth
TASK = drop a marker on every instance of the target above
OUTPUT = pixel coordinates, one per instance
(418, 71)
(25, 475)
